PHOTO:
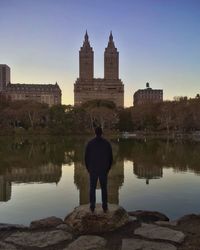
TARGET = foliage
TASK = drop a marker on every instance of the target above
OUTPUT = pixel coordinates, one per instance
(101, 113)
(179, 116)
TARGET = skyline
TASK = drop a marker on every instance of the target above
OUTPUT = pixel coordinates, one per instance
(157, 42)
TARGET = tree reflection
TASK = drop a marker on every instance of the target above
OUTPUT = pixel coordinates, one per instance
(40, 160)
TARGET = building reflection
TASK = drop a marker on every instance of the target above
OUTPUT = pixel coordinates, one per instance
(115, 181)
(147, 171)
(48, 173)
(5, 189)
(42, 163)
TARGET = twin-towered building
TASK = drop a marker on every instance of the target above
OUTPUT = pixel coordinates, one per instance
(110, 87)
(86, 87)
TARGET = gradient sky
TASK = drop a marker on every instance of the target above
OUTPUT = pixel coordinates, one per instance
(158, 42)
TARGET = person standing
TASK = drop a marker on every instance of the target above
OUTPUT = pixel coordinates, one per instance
(98, 161)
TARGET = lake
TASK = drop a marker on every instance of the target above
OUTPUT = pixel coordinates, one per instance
(41, 177)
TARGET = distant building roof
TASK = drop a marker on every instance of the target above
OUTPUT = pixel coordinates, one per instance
(32, 87)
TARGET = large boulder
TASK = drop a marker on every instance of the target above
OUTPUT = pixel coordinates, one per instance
(189, 219)
(190, 223)
(83, 221)
(148, 216)
(46, 223)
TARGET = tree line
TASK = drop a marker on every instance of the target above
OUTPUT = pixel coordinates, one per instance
(34, 117)
(181, 115)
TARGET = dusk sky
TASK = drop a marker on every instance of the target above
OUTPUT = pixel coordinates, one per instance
(158, 42)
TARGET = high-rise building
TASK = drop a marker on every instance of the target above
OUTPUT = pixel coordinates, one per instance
(86, 60)
(110, 87)
(148, 95)
(42, 93)
(4, 76)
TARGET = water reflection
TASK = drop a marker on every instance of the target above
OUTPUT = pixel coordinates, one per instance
(115, 178)
(41, 161)
(5, 189)
(115, 181)
(149, 158)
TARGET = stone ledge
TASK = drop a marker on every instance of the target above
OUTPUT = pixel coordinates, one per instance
(38, 239)
(155, 232)
(46, 223)
(137, 244)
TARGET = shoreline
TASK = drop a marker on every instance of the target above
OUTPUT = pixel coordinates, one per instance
(118, 135)
(189, 225)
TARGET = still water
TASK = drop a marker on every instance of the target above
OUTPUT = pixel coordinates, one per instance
(41, 177)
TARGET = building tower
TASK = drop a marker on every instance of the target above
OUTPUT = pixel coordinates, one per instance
(87, 88)
(111, 60)
(4, 76)
(86, 60)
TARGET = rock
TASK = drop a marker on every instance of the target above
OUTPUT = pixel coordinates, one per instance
(46, 223)
(132, 218)
(5, 246)
(4, 226)
(167, 223)
(148, 216)
(82, 220)
(136, 244)
(190, 224)
(38, 239)
(151, 231)
(87, 242)
(64, 227)
(188, 219)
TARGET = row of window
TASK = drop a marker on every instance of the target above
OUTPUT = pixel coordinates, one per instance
(31, 89)
(44, 99)
(149, 97)
(96, 88)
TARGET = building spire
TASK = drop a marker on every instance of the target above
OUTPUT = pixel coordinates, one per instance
(86, 37)
(111, 43)
(86, 60)
(111, 60)
(111, 37)
(86, 42)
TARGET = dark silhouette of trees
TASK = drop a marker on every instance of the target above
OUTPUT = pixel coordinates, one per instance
(179, 116)
(101, 113)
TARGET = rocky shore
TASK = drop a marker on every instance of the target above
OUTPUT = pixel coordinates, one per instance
(116, 230)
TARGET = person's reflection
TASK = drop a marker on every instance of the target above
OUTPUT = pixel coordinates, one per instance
(115, 181)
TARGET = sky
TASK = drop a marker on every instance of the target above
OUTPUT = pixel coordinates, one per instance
(158, 42)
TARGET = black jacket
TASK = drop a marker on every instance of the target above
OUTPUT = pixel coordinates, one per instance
(98, 156)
